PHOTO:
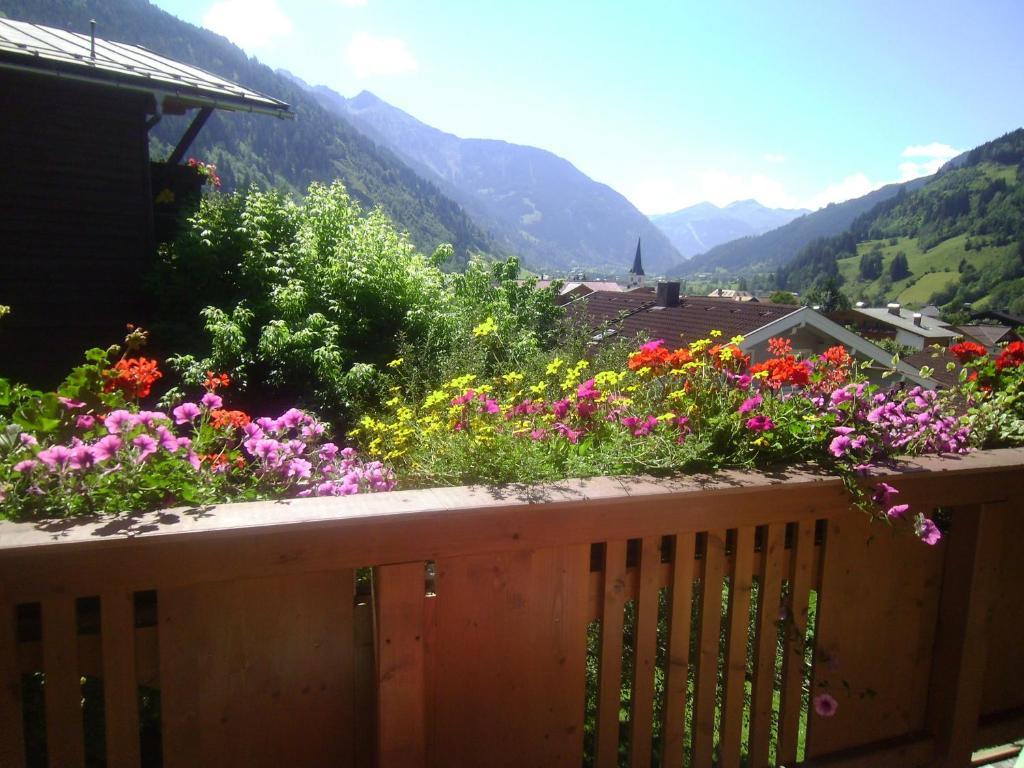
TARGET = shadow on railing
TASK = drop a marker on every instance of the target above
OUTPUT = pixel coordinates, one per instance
(615, 621)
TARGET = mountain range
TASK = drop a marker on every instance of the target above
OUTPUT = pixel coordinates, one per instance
(701, 227)
(529, 201)
(769, 251)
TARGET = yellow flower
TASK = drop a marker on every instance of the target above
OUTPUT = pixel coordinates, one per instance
(554, 366)
(486, 328)
(737, 340)
(392, 402)
(461, 382)
(606, 379)
(396, 362)
(700, 345)
(512, 378)
(715, 334)
(538, 388)
(667, 416)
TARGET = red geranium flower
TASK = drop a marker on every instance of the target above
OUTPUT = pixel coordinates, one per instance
(966, 351)
(1012, 356)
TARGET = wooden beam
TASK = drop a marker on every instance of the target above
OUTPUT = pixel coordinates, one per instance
(190, 135)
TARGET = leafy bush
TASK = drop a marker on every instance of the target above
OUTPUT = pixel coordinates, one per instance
(296, 300)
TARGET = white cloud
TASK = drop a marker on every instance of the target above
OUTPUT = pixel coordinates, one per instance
(369, 56)
(933, 150)
(251, 24)
(352, 3)
(774, 158)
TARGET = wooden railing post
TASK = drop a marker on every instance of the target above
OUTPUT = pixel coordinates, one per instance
(958, 666)
(398, 593)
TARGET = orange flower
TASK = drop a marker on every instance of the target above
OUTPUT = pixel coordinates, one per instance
(221, 418)
(134, 376)
(215, 381)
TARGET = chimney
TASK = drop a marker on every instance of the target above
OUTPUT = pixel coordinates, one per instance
(917, 319)
(668, 294)
(893, 309)
(92, 38)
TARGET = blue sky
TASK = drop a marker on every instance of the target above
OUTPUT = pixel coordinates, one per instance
(671, 103)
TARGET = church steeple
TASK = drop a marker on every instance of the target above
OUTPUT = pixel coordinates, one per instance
(637, 270)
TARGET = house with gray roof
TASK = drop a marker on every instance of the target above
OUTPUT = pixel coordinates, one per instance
(912, 329)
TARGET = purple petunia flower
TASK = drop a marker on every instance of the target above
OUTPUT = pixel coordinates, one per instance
(897, 510)
(750, 404)
(212, 401)
(825, 705)
(760, 423)
(147, 447)
(883, 494)
(56, 457)
(118, 421)
(106, 447)
(71, 405)
(26, 466)
(839, 445)
(185, 413)
(928, 531)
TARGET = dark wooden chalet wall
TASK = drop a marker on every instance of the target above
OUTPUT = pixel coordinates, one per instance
(75, 220)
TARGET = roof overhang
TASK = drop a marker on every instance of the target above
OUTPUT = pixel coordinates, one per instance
(175, 86)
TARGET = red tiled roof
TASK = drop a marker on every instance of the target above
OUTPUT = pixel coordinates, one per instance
(694, 318)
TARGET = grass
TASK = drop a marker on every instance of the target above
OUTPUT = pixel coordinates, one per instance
(931, 270)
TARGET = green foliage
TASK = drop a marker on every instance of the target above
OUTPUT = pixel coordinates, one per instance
(782, 297)
(307, 302)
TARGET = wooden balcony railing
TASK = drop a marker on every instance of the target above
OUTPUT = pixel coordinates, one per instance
(616, 621)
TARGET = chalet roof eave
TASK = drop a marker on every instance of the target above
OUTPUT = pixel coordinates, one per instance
(183, 96)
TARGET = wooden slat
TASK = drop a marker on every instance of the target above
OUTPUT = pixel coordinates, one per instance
(401, 698)
(645, 654)
(65, 745)
(958, 671)
(736, 652)
(12, 735)
(120, 687)
(877, 608)
(710, 626)
(258, 672)
(610, 669)
(770, 595)
(678, 662)
(511, 649)
(793, 667)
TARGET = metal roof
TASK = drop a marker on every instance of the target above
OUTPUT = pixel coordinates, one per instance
(930, 328)
(46, 50)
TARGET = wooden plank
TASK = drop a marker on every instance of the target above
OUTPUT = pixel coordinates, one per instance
(645, 654)
(961, 641)
(399, 594)
(120, 687)
(710, 626)
(887, 582)
(609, 677)
(736, 651)
(793, 667)
(304, 535)
(258, 672)
(12, 733)
(678, 662)
(770, 596)
(65, 741)
(511, 658)
(1004, 682)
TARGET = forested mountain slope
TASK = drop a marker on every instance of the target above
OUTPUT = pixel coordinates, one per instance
(531, 201)
(957, 239)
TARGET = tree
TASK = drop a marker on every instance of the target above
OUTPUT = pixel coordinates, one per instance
(782, 297)
(827, 296)
(898, 268)
(871, 266)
